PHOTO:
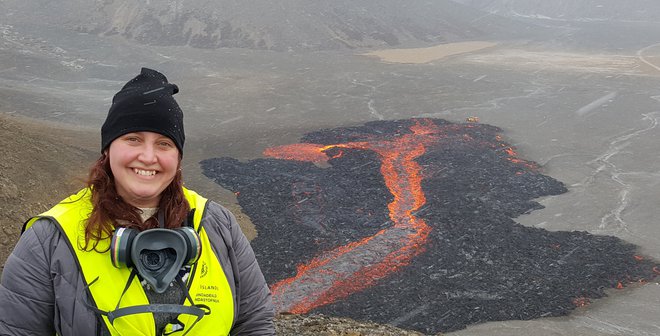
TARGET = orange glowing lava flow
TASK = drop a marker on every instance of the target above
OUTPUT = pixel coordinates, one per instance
(347, 269)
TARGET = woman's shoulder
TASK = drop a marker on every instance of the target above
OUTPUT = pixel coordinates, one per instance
(44, 236)
(43, 228)
(43, 232)
(215, 206)
(219, 214)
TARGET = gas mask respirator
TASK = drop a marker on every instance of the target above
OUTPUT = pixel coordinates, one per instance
(156, 254)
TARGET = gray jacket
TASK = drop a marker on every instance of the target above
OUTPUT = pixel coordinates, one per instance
(42, 291)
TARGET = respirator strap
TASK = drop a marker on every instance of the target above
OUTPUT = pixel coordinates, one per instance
(103, 312)
(190, 220)
(158, 308)
(161, 218)
(206, 310)
(196, 310)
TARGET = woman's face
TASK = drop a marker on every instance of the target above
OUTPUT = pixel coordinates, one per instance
(143, 164)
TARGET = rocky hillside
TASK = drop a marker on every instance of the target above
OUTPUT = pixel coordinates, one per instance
(578, 10)
(274, 25)
(41, 164)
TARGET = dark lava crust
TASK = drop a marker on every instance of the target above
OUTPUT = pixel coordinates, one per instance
(478, 264)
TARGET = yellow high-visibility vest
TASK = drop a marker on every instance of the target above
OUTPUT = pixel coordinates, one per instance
(207, 284)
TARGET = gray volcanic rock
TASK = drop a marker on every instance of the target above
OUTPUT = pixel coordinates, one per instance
(274, 25)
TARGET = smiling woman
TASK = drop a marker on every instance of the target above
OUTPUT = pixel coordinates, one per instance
(143, 164)
(130, 243)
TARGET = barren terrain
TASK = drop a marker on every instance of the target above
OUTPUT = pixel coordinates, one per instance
(41, 164)
(580, 97)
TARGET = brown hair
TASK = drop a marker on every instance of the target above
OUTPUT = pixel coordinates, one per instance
(108, 206)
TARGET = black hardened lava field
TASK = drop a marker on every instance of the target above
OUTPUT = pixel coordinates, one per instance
(410, 222)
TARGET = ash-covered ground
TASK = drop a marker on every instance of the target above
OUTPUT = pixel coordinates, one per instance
(474, 264)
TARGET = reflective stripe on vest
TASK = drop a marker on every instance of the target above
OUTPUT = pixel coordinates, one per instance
(207, 284)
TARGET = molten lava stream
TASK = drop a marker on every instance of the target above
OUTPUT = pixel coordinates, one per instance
(347, 269)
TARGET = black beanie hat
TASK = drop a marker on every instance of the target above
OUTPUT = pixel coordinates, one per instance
(145, 103)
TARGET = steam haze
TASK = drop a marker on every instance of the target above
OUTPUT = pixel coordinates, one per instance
(574, 86)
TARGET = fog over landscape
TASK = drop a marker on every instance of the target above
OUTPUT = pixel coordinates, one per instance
(574, 86)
